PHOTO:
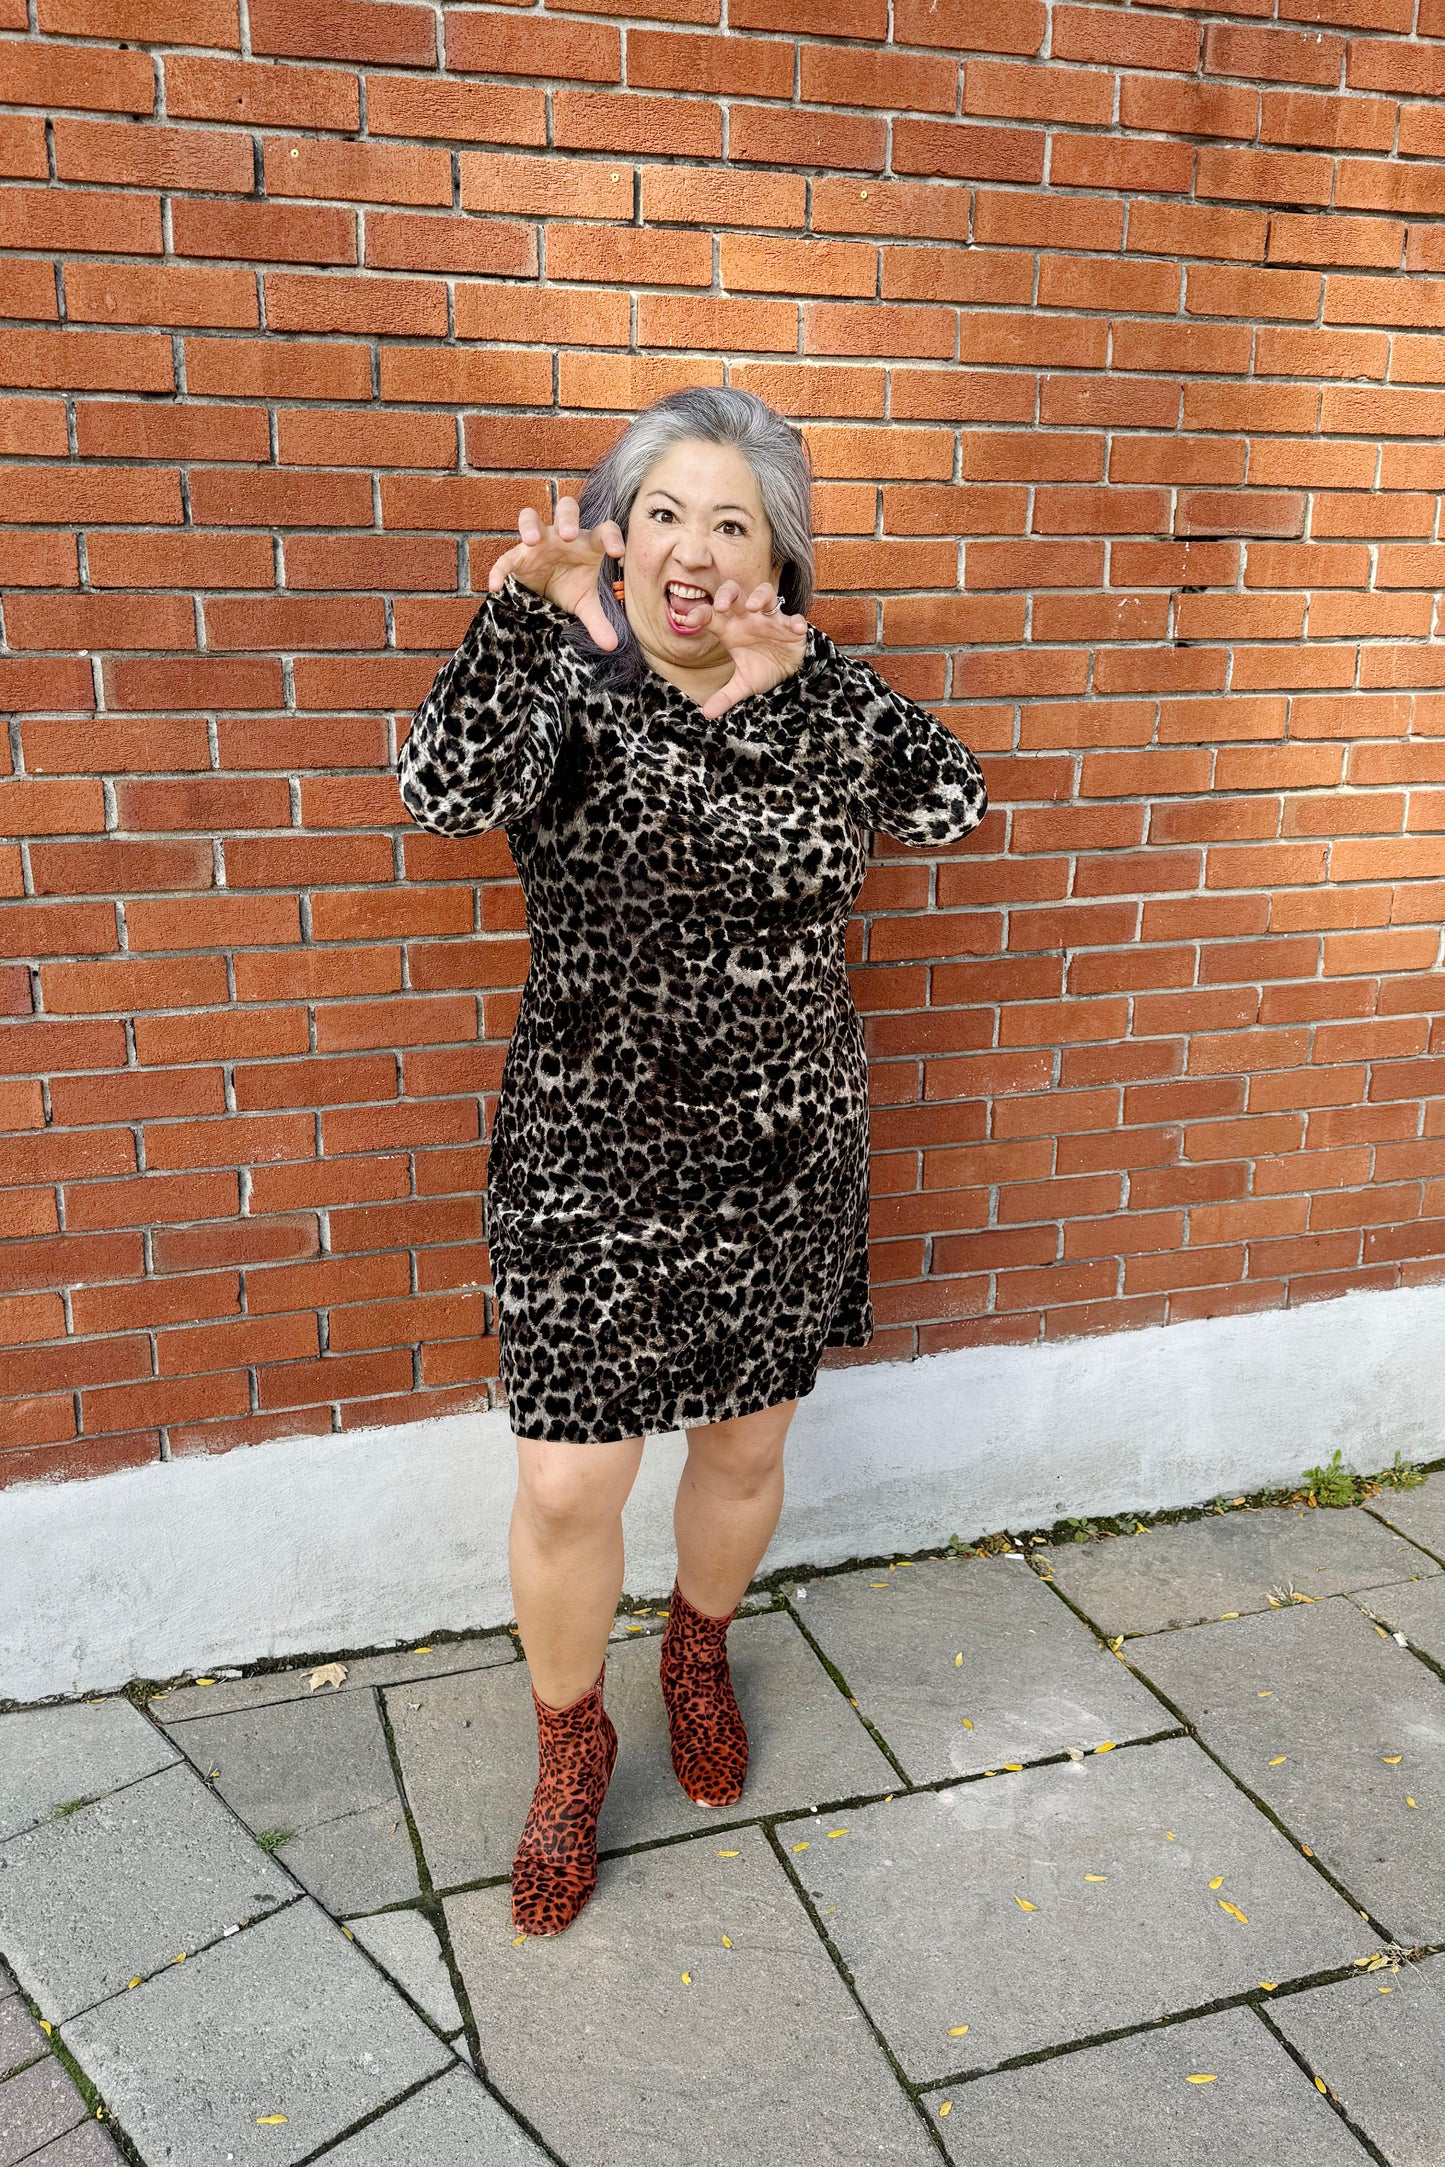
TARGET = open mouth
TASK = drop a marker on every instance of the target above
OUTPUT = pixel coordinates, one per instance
(678, 598)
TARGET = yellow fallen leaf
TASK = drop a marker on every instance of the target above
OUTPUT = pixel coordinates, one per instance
(1265, 1693)
(1217, 1882)
(1096, 1877)
(1233, 1910)
(130, 1983)
(1015, 1768)
(1409, 1801)
(327, 1674)
(801, 1846)
(1201, 2076)
(348, 1933)
(1169, 1836)
(1305, 1851)
(1320, 2085)
(1106, 1747)
(1279, 1760)
(421, 1651)
(836, 1832)
(946, 2107)
(956, 2031)
(687, 1978)
(730, 1854)
(725, 1942)
(205, 1681)
(181, 1958)
(268, 2121)
(878, 1583)
(1392, 1760)
(45, 2027)
(519, 1940)
(1227, 1614)
(958, 1661)
(1024, 1904)
(1269, 1985)
(966, 1723)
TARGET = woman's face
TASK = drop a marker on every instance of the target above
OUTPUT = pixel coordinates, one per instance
(696, 521)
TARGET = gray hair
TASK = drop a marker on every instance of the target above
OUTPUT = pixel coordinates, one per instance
(716, 414)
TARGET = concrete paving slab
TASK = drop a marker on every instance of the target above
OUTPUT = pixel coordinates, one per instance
(469, 1750)
(87, 2145)
(21, 2039)
(1379, 2043)
(121, 1888)
(1337, 1729)
(405, 1944)
(1193, 1570)
(227, 1695)
(49, 1757)
(1141, 2100)
(454, 2122)
(1415, 1609)
(1033, 1679)
(34, 2107)
(316, 1772)
(1418, 1513)
(286, 2019)
(1069, 1900)
(640, 2035)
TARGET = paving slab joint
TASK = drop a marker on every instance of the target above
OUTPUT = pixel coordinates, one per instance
(1322, 2085)
(841, 1683)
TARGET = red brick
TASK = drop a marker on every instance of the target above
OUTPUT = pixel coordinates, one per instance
(614, 121)
(143, 294)
(657, 60)
(71, 78)
(395, 241)
(393, 307)
(22, 145)
(561, 52)
(548, 187)
(466, 112)
(319, 437)
(266, 97)
(561, 317)
(967, 151)
(282, 499)
(119, 429)
(137, 559)
(264, 232)
(121, 154)
(374, 30)
(196, 682)
(361, 172)
(85, 361)
(159, 22)
(33, 428)
(769, 135)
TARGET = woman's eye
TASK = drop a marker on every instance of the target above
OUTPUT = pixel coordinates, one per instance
(660, 511)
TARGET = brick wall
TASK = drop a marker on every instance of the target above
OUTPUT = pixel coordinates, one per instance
(1117, 332)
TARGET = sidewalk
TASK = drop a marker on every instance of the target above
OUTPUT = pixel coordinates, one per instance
(992, 1883)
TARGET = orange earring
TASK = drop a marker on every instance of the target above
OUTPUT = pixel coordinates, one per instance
(618, 588)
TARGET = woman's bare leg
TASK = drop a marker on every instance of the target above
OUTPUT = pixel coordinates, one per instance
(728, 1503)
(565, 1550)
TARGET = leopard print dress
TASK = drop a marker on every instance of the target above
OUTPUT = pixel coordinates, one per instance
(677, 1189)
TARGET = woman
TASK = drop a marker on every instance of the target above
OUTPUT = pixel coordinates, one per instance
(677, 1196)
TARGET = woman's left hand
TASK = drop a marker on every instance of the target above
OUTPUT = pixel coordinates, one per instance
(766, 645)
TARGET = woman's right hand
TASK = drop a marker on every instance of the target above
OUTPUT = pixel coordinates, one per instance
(562, 562)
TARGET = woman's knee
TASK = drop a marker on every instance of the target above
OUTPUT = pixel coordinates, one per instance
(741, 1459)
(573, 1493)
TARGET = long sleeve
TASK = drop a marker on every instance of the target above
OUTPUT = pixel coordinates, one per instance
(485, 740)
(915, 779)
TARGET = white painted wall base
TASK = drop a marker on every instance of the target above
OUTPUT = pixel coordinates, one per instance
(313, 1545)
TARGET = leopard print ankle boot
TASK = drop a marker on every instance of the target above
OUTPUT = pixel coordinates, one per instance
(709, 1743)
(555, 1869)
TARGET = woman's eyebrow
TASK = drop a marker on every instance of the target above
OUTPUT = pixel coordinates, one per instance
(717, 507)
